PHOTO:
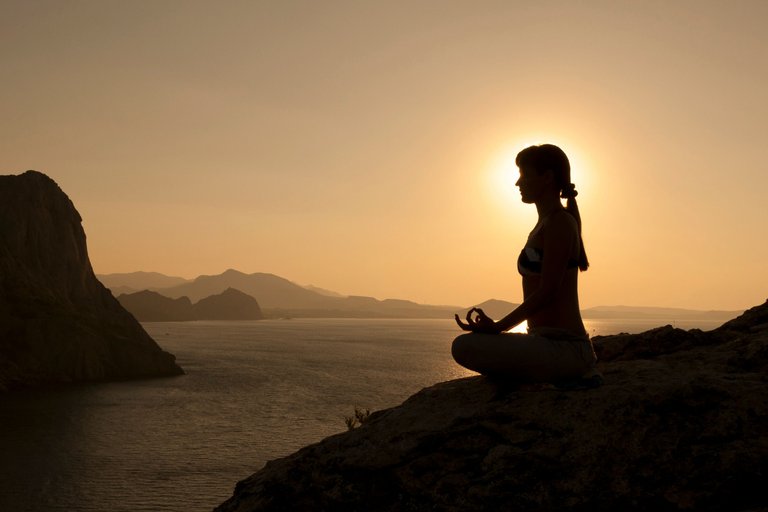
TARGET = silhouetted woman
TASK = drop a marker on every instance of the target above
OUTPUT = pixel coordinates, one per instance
(556, 347)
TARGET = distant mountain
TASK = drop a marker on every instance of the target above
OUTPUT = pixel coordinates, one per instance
(134, 281)
(498, 308)
(120, 290)
(651, 312)
(231, 304)
(494, 308)
(149, 306)
(323, 291)
(280, 297)
(270, 290)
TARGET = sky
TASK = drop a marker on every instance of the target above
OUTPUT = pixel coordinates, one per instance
(368, 147)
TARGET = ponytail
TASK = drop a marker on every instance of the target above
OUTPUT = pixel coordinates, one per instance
(569, 194)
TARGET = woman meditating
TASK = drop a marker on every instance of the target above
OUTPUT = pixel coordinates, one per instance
(556, 347)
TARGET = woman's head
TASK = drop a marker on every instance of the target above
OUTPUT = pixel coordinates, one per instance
(548, 158)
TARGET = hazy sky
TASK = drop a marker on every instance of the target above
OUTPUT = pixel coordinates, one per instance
(365, 146)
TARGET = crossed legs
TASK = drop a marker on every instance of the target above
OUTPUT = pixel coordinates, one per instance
(523, 357)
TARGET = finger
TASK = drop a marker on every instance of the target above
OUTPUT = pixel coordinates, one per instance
(463, 326)
(481, 313)
(469, 316)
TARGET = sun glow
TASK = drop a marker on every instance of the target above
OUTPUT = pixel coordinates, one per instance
(521, 328)
(503, 175)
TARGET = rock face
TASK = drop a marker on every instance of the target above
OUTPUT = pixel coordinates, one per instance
(57, 322)
(681, 423)
(231, 304)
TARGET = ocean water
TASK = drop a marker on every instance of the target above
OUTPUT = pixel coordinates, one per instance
(254, 391)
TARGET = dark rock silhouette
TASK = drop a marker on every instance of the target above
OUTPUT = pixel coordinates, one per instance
(270, 290)
(681, 422)
(131, 282)
(279, 297)
(148, 306)
(57, 322)
(231, 304)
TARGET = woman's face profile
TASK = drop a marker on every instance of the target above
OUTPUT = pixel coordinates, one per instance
(532, 184)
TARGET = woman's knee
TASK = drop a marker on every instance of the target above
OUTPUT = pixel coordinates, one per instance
(461, 348)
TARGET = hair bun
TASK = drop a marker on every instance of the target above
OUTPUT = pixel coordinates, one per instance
(569, 191)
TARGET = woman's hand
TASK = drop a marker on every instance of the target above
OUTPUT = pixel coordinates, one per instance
(481, 323)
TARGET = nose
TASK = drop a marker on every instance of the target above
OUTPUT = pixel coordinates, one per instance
(517, 183)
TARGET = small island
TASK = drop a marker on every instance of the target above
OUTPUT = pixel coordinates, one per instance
(231, 304)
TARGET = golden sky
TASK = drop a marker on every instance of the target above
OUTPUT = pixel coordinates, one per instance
(365, 147)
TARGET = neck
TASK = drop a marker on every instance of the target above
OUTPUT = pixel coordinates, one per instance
(547, 205)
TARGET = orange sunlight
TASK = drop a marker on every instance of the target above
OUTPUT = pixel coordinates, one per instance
(521, 328)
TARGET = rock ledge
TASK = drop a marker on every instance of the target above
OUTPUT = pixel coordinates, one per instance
(681, 423)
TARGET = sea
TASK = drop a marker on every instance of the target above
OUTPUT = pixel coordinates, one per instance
(253, 391)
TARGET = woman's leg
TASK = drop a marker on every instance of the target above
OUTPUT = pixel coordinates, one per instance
(523, 357)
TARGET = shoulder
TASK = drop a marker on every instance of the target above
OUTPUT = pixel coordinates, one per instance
(562, 223)
(561, 233)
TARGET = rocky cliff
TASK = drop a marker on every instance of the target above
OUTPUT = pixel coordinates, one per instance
(57, 322)
(680, 423)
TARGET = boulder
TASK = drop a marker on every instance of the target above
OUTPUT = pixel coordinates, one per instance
(680, 423)
(57, 321)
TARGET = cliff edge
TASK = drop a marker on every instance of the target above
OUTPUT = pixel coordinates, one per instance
(681, 423)
(57, 322)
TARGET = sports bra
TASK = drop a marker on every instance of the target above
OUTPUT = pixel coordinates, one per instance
(529, 261)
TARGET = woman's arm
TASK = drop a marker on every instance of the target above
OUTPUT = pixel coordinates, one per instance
(557, 243)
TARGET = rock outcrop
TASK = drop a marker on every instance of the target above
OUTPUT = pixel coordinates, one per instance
(57, 322)
(680, 423)
(231, 304)
(148, 306)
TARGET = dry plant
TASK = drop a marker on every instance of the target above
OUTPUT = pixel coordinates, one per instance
(360, 417)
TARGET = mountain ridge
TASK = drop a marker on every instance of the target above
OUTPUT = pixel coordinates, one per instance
(286, 298)
(601, 311)
(151, 306)
(280, 297)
